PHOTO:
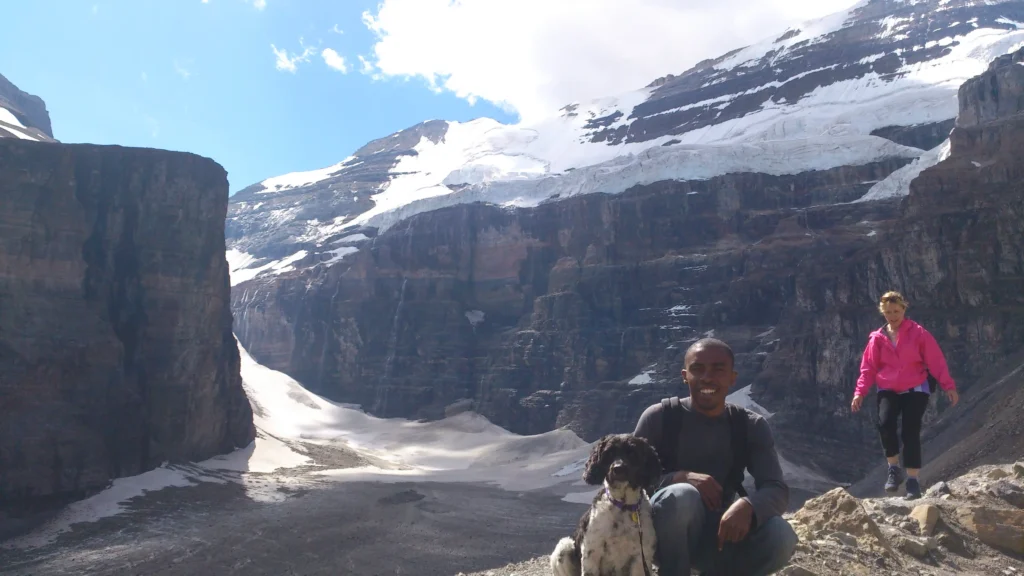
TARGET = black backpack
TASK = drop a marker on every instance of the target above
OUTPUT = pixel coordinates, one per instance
(671, 424)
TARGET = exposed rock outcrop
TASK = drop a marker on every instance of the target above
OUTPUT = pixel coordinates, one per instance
(973, 534)
(29, 112)
(116, 345)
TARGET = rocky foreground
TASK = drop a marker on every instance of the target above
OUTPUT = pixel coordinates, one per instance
(973, 525)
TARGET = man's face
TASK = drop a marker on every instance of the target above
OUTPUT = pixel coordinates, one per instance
(710, 374)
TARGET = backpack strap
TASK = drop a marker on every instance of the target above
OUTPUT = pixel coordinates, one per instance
(671, 425)
(738, 428)
(933, 382)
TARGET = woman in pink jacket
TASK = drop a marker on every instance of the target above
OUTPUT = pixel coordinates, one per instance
(898, 358)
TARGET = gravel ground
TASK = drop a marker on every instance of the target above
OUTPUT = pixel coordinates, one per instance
(352, 528)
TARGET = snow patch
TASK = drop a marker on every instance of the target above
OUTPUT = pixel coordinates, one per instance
(811, 32)
(475, 317)
(239, 262)
(10, 124)
(338, 254)
(898, 183)
(679, 162)
(8, 117)
(742, 398)
(353, 238)
(299, 179)
(642, 378)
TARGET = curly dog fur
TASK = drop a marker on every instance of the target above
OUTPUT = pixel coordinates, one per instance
(607, 540)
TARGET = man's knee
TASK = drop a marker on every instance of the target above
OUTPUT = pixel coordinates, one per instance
(677, 506)
(781, 538)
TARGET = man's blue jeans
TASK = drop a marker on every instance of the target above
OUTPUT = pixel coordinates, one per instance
(687, 539)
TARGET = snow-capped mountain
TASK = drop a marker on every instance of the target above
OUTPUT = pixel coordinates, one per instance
(552, 275)
(841, 90)
(22, 115)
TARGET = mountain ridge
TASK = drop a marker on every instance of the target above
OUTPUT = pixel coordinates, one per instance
(879, 49)
(23, 115)
(548, 300)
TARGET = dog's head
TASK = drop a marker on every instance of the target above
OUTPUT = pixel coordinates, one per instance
(623, 460)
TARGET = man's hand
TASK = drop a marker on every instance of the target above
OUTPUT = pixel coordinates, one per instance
(857, 401)
(954, 396)
(709, 488)
(735, 523)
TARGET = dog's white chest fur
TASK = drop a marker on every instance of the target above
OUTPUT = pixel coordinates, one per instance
(612, 544)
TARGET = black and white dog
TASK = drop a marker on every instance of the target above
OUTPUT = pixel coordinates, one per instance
(616, 534)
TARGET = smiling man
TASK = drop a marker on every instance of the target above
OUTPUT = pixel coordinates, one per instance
(702, 515)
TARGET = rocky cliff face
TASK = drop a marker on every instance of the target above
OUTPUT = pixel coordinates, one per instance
(956, 250)
(576, 312)
(116, 346)
(25, 115)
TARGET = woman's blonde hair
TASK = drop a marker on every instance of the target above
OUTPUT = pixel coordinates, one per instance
(892, 297)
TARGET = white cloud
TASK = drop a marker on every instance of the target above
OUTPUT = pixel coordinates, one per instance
(259, 4)
(535, 56)
(334, 60)
(181, 70)
(336, 30)
(367, 66)
(289, 62)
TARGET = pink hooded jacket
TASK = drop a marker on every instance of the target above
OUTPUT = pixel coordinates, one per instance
(903, 366)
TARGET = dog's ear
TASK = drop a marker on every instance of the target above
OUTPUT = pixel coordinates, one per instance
(598, 463)
(652, 467)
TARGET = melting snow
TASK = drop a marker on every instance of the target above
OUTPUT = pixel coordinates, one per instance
(463, 448)
(642, 378)
(238, 263)
(898, 183)
(742, 398)
(475, 317)
(338, 254)
(9, 123)
(297, 179)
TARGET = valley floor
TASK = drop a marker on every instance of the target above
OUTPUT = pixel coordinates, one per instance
(357, 528)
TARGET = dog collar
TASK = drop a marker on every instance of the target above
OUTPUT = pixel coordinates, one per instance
(622, 505)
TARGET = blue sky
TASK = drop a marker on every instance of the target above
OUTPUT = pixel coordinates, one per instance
(220, 78)
(201, 77)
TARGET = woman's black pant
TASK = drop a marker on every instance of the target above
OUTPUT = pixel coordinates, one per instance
(912, 406)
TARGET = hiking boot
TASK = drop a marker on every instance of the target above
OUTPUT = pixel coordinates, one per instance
(895, 479)
(913, 489)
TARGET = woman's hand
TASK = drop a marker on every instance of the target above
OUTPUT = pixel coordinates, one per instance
(857, 401)
(953, 396)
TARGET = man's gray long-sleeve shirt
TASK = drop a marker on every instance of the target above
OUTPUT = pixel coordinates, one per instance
(704, 446)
